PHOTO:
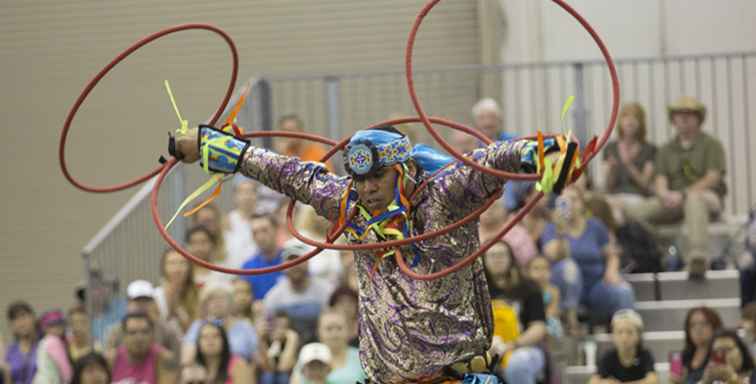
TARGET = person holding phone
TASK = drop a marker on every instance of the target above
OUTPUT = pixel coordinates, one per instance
(729, 360)
(700, 325)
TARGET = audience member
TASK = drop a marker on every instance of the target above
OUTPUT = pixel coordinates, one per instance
(299, 295)
(215, 304)
(140, 359)
(297, 147)
(176, 297)
(264, 228)
(211, 217)
(326, 265)
(53, 363)
(487, 118)
(748, 322)
(80, 342)
(346, 300)
(141, 295)
(243, 303)
(278, 349)
(91, 368)
(700, 325)
(539, 271)
(5, 376)
(729, 360)
(519, 318)
(214, 354)
(21, 354)
(628, 361)
(239, 233)
(345, 360)
(585, 263)
(689, 183)
(106, 305)
(315, 362)
(628, 162)
(491, 222)
(201, 242)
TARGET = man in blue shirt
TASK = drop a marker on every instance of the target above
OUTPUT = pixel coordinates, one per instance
(264, 230)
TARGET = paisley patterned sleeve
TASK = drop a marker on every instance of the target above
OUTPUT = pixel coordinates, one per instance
(463, 188)
(304, 181)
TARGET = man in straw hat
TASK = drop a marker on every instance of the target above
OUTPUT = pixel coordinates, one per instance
(689, 183)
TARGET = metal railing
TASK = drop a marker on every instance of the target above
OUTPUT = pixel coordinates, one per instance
(335, 105)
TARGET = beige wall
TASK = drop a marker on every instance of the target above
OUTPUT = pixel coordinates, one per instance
(49, 49)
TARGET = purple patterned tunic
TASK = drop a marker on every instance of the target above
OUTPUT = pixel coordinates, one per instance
(410, 330)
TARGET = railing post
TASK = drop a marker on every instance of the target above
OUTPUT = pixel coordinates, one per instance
(262, 97)
(332, 93)
(580, 114)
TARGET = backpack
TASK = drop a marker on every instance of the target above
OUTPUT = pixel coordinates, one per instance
(640, 251)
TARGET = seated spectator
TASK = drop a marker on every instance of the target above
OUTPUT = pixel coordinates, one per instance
(345, 300)
(21, 354)
(141, 295)
(518, 315)
(5, 377)
(215, 303)
(177, 296)
(539, 271)
(689, 183)
(749, 327)
(326, 265)
(278, 349)
(487, 119)
(214, 354)
(91, 368)
(140, 359)
(106, 305)
(700, 325)
(299, 295)
(345, 365)
(193, 374)
(302, 149)
(80, 342)
(729, 360)
(211, 218)
(315, 360)
(201, 242)
(53, 364)
(239, 233)
(264, 228)
(243, 305)
(628, 361)
(628, 162)
(585, 263)
(491, 222)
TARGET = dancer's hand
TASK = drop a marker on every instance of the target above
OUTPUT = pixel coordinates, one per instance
(187, 147)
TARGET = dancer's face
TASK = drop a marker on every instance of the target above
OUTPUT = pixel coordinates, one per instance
(377, 190)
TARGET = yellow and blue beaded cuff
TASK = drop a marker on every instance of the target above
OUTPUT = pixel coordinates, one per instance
(220, 151)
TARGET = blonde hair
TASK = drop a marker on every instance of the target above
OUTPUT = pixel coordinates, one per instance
(630, 316)
(635, 110)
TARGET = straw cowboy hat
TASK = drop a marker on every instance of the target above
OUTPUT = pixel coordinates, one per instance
(687, 104)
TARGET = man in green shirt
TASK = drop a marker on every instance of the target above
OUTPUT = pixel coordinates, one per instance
(689, 183)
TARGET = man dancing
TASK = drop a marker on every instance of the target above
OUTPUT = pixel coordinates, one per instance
(410, 330)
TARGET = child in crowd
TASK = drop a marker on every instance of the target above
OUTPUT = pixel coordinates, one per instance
(628, 361)
(539, 270)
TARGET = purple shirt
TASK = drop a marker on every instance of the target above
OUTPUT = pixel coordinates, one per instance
(23, 366)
